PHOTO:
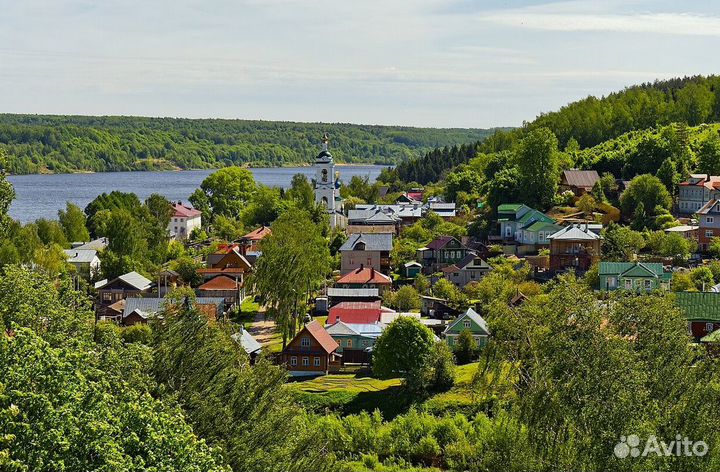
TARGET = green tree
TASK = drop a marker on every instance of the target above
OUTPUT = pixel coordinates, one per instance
(648, 191)
(407, 298)
(466, 350)
(7, 194)
(225, 192)
(621, 243)
(73, 223)
(538, 163)
(295, 259)
(668, 175)
(301, 192)
(709, 155)
(404, 349)
(442, 363)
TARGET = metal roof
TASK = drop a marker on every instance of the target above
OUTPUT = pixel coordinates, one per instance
(80, 256)
(373, 242)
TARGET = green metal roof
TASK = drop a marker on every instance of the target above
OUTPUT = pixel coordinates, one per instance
(632, 269)
(699, 306)
(539, 225)
(537, 215)
(509, 207)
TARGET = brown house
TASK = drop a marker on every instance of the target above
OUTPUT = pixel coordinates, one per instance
(574, 247)
(233, 264)
(251, 241)
(578, 182)
(222, 286)
(311, 352)
(127, 285)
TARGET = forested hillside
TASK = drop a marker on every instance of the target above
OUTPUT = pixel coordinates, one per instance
(589, 122)
(44, 143)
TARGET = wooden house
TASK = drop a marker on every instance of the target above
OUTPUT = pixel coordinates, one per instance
(125, 286)
(574, 247)
(311, 352)
(468, 321)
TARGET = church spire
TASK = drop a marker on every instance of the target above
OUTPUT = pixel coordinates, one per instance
(325, 141)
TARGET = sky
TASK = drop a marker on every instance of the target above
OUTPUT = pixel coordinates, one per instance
(436, 63)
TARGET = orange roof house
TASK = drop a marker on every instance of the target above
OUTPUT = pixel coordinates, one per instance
(311, 352)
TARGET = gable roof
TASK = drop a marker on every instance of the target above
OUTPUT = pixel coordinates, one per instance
(575, 233)
(509, 207)
(97, 244)
(373, 242)
(184, 211)
(580, 178)
(80, 256)
(221, 282)
(632, 269)
(258, 234)
(366, 275)
(475, 317)
(133, 279)
(699, 306)
(231, 259)
(533, 215)
(149, 307)
(542, 225)
(710, 182)
(245, 339)
(442, 241)
(317, 331)
(713, 206)
(469, 259)
(353, 292)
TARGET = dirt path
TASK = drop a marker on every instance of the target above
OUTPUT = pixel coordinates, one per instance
(262, 330)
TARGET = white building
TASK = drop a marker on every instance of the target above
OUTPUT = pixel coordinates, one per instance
(184, 220)
(327, 186)
(86, 261)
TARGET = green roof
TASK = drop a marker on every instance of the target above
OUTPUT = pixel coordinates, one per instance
(699, 306)
(539, 225)
(632, 269)
(537, 215)
(509, 207)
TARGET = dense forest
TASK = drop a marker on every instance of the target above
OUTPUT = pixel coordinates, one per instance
(589, 122)
(56, 144)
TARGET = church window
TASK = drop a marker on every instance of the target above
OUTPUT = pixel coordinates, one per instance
(324, 175)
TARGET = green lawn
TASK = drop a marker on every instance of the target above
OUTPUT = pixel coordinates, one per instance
(248, 311)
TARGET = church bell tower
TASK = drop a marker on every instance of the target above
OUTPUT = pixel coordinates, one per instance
(327, 185)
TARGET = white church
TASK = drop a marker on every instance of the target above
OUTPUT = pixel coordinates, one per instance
(327, 186)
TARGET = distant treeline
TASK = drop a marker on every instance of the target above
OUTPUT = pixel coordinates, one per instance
(49, 143)
(589, 122)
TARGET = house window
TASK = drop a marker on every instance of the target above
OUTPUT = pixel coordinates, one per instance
(709, 219)
(709, 327)
(349, 343)
(293, 360)
(369, 261)
(466, 323)
(305, 342)
(648, 285)
(364, 343)
(107, 296)
(628, 284)
(709, 233)
(305, 361)
(316, 362)
(612, 282)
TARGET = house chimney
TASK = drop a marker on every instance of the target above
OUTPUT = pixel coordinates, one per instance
(372, 272)
(361, 266)
(707, 177)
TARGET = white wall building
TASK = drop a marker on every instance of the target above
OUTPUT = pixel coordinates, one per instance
(184, 220)
(327, 186)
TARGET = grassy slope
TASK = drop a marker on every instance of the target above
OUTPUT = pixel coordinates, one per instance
(353, 393)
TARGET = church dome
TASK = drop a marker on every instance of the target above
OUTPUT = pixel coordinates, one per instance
(324, 156)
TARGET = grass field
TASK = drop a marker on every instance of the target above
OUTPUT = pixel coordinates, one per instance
(354, 392)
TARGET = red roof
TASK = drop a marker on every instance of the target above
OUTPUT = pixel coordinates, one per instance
(366, 275)
(415, 195)
(321, 336)
(221, 282)
(702, 180)
(182, 211)
(258, 234)
(355, 312)
(440, 242)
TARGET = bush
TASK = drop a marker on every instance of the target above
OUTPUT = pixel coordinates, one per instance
(466, 349)
(137, 333)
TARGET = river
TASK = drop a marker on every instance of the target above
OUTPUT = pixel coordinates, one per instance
(41, 196)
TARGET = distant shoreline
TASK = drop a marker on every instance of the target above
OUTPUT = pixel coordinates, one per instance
(289, 166)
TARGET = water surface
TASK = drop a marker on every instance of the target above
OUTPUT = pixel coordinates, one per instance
(41, 196)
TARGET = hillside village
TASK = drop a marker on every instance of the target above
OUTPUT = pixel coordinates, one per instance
(522, 291)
